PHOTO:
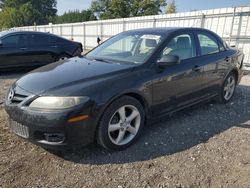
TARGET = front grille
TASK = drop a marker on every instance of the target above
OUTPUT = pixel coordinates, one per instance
(18, 98)
(19, 129)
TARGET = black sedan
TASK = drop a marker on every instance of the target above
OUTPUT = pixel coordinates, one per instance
(23, 49)
(109, 94)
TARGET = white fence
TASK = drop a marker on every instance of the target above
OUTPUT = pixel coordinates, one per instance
(232, 24)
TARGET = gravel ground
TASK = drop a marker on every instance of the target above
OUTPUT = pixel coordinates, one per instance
(203, 146)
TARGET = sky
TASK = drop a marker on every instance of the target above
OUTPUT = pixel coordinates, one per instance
(182, 5)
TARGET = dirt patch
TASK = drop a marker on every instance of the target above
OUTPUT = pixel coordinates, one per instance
(204, 146)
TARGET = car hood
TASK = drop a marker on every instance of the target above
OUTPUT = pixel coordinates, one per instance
(67, 73)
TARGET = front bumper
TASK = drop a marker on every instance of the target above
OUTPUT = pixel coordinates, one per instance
(51, 129)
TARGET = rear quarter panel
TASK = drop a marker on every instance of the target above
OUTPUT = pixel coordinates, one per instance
(235, 64)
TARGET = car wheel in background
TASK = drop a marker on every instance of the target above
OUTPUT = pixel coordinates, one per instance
(62, 57)
(121, 124)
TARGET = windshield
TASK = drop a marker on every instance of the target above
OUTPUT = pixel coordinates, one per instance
(127, 48)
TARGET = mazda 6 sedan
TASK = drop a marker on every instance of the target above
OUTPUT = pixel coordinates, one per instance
(109, 94)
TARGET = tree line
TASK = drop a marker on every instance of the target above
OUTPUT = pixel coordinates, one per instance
(16, 13)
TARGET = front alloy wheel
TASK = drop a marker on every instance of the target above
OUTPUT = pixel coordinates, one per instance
(124, 125)
(121, 124)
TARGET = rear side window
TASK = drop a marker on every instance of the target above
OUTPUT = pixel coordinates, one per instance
(57, 40)
(208, 44)
(39, 40)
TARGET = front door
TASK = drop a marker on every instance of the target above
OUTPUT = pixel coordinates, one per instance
(14, 51)
(181, 84)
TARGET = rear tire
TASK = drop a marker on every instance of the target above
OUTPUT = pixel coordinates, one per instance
(227, 90)
(121, 124)
(62, 57)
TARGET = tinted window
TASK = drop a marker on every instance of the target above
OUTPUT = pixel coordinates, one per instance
(208, 44)
(182, 46)
(15, 40)
(39, 40)
(57, 40)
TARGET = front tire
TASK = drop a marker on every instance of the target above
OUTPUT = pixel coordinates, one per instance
(121, 124)
(228, 89)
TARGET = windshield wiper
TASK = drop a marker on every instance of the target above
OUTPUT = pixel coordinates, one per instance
(102, 60)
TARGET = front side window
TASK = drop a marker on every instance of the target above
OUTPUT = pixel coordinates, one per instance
(208, 44)
(182, 46)
(130, 48)
(15, 41)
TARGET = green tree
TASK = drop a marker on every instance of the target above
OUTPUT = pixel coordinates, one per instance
(26, 12)
(9, 18)
(74, 16)
(109, 9)
(171, 8)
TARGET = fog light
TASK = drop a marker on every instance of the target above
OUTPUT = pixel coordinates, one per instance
(54, 137)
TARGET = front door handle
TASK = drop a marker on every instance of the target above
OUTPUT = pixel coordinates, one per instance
(23, 48)
(196, 68)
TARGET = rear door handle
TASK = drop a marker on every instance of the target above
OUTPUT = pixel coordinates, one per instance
(54, 46)
(23, 48)
(196, 68)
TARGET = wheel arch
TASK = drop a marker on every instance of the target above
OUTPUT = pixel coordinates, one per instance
(235, 72)
(133, 94)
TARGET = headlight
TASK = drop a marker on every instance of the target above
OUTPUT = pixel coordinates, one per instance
(57, 103)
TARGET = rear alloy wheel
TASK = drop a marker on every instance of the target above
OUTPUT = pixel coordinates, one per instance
(121, 124)
(62, 58)
(228, 88)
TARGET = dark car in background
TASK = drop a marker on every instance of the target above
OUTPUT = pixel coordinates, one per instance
(29, 49)
(109, 93)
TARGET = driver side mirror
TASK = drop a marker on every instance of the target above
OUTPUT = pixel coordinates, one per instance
(1, 43)
(168, 60)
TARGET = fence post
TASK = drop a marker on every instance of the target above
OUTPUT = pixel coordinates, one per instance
(203, 17)
(154, 23)
(52, 29)
(239, 29)
(123, 25)
(61, 30)
(101, 31)
(84, 36)
(232, 27)
(72, 35)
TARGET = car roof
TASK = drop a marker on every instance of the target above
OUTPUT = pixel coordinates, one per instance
(166, 30)
(4, 33)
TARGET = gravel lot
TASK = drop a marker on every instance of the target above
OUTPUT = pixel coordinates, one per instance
(203, 146)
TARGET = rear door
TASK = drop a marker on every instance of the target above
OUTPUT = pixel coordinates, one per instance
(14, 51)
(41, 49)
(212, 56)
(178, 85)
